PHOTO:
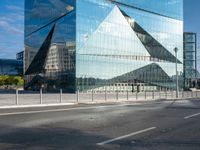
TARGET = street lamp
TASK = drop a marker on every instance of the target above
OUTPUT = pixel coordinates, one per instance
(177, 89)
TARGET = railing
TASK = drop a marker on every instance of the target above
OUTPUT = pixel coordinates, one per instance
(35, 98)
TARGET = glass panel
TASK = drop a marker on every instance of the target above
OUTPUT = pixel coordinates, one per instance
(171, 8)
(11, 67)
(190, 37)
(190, 64)
(109, 52)
(189, 47)
(56, 51)
(190, 55)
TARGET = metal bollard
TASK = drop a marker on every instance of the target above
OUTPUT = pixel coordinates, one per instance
(159, 94)
(60, 95)
(77, 96)
(153, 96)
(136, 94)
(182, 94)
(105, 95)
(145, 95)
(127, 98)
(117, 95)
(172, 94)
(92, 95)
(16, 98)
(196, 94)
(41, 96)
(166, 94)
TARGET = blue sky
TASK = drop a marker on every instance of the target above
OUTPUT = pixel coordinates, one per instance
(191, 17)
(192, 22)
(11, 27)
(12, 24)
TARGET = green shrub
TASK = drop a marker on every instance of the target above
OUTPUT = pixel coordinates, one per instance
(11, 80)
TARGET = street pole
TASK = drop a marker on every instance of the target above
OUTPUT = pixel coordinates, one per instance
(177, 88)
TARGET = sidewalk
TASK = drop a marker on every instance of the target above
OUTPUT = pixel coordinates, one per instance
(96, 102)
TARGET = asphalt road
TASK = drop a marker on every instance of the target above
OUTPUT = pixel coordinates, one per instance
(135, 126)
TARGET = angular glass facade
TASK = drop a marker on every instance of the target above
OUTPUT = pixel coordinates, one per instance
(11, 67)
(190, 61)
(103, 45)
(50, 37)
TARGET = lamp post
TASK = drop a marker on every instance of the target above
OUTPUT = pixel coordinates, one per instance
(177, 88)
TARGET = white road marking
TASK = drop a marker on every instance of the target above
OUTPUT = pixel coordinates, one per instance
(190, 116)
(126, 136)
(36, 105)
(68, 109)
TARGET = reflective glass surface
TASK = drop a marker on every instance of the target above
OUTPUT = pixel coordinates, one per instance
(112, 51)
(50, 33)
(190, 37)
(11, 67)
(102, 44)
(189, 58)
(169, 8)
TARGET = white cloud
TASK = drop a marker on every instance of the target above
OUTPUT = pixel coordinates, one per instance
(12, 22)
(172, 2)
(14, 8)
(13, 17)
(10, 28)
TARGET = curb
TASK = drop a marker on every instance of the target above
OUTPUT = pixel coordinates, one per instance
(37, 105)
(97, 102)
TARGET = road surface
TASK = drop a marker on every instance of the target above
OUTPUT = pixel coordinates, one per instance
(170, 125)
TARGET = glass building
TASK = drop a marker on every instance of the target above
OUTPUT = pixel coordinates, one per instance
(190, 59)
(20, 56)
(11, 67)
(103, 44)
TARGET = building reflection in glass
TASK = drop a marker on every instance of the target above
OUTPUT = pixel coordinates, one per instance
(102, 45)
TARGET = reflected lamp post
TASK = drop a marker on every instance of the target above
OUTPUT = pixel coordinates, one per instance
(177, 88)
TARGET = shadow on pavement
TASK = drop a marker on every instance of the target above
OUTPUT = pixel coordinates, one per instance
(190, 104)
(48, 138)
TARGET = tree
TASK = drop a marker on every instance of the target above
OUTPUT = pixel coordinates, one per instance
(15, 81)
(11, 80)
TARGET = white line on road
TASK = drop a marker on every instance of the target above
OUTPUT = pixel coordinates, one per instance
(68, 109)
(126, 136)
(190, 116)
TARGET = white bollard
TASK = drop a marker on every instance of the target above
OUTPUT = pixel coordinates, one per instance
(153, 96)
(117, 95)
(41, 96)
(77, 96)
(127, 98)
(136, 95)
(145, 95)
(60, 95)
(105, 95)
(92, 95)
(17, 98)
